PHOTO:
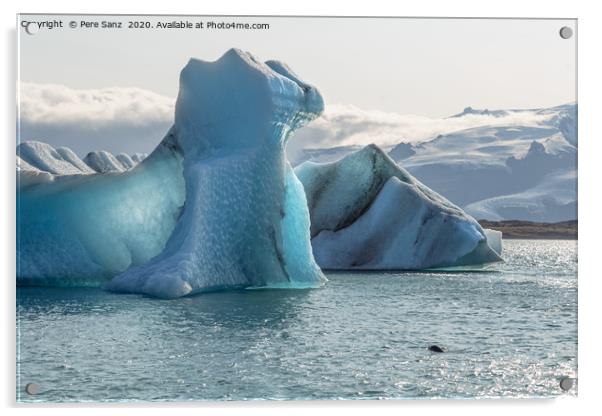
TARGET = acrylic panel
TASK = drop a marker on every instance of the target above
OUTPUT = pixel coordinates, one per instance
(218, 208)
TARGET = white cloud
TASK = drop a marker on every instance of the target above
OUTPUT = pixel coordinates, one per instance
(51, 103)
(348, 125)
(115, 119)
(135, 120)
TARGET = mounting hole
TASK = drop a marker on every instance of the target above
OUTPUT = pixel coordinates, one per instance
(32, 388)
(566, 32)
(566, 383)
(32, 28)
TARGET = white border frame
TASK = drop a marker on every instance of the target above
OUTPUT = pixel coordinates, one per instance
(589, 74)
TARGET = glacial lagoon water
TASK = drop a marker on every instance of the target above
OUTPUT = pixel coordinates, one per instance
(508, 331)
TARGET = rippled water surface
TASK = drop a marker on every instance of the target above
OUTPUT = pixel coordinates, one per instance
(508, 331)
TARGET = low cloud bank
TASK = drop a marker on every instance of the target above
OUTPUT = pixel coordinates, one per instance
(115, 119)
(134, 120)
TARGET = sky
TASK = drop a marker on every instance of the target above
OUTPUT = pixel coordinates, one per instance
(114, 89)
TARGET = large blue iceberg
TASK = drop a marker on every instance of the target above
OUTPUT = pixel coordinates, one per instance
(215, 205)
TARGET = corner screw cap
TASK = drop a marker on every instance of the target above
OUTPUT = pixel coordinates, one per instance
(32, 388)
(566, 32)
(566, 383)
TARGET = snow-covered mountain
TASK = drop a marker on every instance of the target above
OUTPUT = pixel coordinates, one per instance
(521, 166)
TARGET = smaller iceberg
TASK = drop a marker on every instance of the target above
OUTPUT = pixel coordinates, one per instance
(368, 213)
(38, 156)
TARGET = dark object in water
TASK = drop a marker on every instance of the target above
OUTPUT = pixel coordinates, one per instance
(436, 348)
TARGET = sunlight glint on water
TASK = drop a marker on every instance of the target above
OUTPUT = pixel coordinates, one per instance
(509, 331)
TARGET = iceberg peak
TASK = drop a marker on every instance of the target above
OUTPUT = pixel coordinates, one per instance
(236, 102)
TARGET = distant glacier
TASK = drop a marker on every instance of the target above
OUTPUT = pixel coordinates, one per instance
(515, 165)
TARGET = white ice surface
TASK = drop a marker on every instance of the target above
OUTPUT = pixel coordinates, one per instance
(494, 239)
(24, 166)
(552, 200)
(126, 161)
(48, 163)
(70, 156)
(48, 159)
(28, 175)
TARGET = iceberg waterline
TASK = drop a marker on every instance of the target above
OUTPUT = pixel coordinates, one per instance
(217, 205)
